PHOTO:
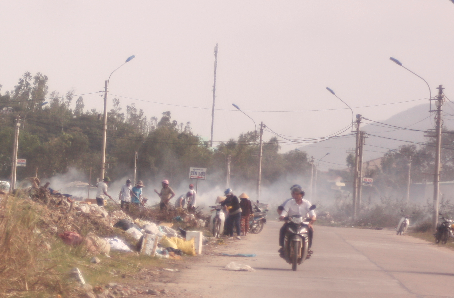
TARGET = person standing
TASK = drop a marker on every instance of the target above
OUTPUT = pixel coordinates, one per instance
(136, 193)
(246, 207)
(102, 191)
(192, 198)
(166, 195)
(233, 206)
(125, 195)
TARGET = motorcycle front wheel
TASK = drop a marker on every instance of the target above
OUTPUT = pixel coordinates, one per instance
(296, 250)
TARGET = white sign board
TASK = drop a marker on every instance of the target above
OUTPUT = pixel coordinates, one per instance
(367, 181)
(21, 162)
(197, 173)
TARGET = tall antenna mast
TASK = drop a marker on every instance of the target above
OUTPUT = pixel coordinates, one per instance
(214, 92)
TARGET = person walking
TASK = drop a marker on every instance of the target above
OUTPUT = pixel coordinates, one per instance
(246, 207)
(136, 192)
(166, 195)
(102, 191)
(125, 195)
(233, 206)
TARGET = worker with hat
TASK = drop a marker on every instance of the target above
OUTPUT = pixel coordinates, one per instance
(102, 191)
(136, 193)
(166, 195)
(246, 207)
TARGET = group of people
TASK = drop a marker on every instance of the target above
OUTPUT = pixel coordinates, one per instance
(128, 194)
(238, 211)
(167, 193)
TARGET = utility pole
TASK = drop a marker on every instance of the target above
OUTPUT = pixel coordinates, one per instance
(356, 172)
(136, 156)
(229, 159)
(15, 150)
(362, 141)
(104, 132)
(312, 177)
(259, 179)
(438, 104)
(214, 92)
(408, 180)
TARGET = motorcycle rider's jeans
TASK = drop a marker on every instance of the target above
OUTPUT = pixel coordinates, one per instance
(282, 235)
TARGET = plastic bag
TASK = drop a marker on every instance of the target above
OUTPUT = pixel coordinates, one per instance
(123, 224)
(168, 242)
(234, 266)
(151, 228)
(185, 246)
(118, 244)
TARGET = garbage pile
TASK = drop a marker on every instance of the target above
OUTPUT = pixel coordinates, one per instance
(104, 229)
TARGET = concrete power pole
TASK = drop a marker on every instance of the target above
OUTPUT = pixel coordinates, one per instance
(356, 172)
(15, 150)
(104, 133)
(259, 179)
(136, 156)
(229, 159)
(312, 178)
(362, 142)
(408, 180)
(214, 92)
(438, 104)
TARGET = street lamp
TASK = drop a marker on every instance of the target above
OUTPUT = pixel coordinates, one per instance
(255, 125)
(438, 104)
(332, 92)
(400, 64)
(104, 132)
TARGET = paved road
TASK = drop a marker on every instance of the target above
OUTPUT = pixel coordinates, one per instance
(346, 263)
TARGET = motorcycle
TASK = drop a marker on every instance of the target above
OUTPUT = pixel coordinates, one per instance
(257, 222)
(296, 240)
(403, 225)
(444, 230)
(217, 220)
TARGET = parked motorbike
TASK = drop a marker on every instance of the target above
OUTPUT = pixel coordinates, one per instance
(403, 225)
(257, 222)
(217, 221)
(444, 230)
(296, 241)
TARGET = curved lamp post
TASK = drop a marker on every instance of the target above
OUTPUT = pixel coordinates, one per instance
(104, 132)
(255, 125)
(400, 64)
(332, 92)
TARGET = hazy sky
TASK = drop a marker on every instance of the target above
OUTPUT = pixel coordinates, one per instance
(273, 56)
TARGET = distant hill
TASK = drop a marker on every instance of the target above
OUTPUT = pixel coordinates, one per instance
(415, 118)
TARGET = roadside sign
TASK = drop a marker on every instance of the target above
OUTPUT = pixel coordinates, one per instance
(21, 162)
(367, 181)
(197, 173)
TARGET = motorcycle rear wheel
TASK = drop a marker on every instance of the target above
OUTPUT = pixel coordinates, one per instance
(296, 250)
(257, 228)
(217, 227)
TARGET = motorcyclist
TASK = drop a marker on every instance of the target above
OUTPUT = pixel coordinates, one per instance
(296, 206)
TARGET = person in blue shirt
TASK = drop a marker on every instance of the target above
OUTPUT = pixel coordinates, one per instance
(136, 193)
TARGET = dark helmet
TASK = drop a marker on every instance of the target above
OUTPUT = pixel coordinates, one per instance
(228, 191)
(298, 189)
(128, 181)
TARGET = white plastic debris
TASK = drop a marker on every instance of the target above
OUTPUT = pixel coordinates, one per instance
(151, 228)
(118, 244)
(136, 234)
(234, 266)
(169, 232)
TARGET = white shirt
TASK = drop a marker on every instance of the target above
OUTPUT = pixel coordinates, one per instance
(102, 187)
(126, 193)
(292, 208)
(191, 200)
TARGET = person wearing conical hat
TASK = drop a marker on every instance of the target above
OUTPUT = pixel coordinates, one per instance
(246, 207)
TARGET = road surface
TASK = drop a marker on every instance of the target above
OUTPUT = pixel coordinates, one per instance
(347, 262)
